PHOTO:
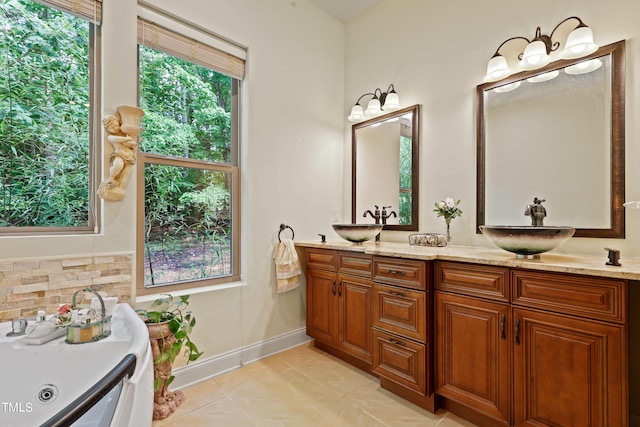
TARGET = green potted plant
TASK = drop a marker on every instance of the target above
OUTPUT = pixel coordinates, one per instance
(169, 324)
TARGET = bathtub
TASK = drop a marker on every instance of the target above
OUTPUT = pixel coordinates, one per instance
(46, 384)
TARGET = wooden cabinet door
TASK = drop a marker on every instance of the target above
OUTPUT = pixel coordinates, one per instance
(568, 371)
(355, 306)
(473, 354)
(401, 360)
(322, 316)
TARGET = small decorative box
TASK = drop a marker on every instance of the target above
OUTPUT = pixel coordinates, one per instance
(428, 239)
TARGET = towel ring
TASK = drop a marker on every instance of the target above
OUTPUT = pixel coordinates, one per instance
(284, 227)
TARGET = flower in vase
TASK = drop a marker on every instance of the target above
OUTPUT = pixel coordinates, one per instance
(448, 208)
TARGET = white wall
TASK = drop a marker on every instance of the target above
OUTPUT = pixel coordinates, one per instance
(291, 154)
(291, 150)
(435, 53)
(304, 71)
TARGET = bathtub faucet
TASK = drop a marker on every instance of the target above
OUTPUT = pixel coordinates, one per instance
(18, 327)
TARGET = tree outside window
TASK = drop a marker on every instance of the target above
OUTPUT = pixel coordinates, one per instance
(190, 175)
(45, 110)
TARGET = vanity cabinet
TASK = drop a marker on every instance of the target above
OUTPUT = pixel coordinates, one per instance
(339, 304)
(402, 325)
(376, 313)
(530, 348)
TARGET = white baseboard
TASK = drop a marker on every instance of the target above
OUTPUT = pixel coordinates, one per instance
(192, 374)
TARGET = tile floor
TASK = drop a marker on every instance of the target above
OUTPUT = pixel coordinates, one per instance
(302, 386)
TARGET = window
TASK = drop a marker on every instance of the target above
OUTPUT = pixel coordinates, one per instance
(188, 166)
(48, 70)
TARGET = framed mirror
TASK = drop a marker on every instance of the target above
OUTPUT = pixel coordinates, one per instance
(384, 169)
(560, 140)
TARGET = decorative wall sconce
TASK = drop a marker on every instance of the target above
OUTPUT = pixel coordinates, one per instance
(536, 53)
(389, 100)
(123, 130)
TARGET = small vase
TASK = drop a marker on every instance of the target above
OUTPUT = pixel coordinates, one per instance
(448, 221)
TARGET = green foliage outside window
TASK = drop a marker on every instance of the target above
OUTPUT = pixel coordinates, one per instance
(44, 117)
(188, 230)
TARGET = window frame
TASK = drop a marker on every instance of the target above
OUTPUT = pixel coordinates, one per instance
(233, 168)
(95, 100)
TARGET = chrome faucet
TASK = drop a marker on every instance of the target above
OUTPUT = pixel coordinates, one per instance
(384, 216)
(375, 216)
(18, 327)
(537, 212)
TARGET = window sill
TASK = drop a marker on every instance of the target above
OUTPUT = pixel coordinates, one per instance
(192, 291)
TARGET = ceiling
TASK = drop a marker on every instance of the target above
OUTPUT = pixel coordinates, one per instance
(345, 10)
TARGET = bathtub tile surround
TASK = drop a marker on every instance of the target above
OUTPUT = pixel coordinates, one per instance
(302, 386)
(29, 285)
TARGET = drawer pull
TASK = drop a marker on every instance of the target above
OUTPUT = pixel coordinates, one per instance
(333, 288)
(396, 272)
(502, 332)
(400, 294)
(396, 342)
(340, 289)
(518, 331)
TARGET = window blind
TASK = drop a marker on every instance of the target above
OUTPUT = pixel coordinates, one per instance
(168, 41)
(91, 10)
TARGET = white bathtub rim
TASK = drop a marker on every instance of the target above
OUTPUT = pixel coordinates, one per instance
(135, 404)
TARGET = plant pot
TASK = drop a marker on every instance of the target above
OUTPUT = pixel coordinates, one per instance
(165, 402)
(158, 331)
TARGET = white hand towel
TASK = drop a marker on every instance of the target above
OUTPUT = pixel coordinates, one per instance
(287, 266)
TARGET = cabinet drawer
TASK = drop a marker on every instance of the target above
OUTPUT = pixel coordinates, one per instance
(401, 311)
(585, 296)
(401, 272)
(400, 360)
(325, 259)
(473, 280)
(355, 264)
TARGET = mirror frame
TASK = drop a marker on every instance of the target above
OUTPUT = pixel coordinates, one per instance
(415, 158)
(617, 139)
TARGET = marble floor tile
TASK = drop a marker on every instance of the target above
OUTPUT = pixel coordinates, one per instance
(300, 387)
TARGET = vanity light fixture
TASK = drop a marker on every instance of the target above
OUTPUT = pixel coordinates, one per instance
(584, 67)
(389, 100)
(544, 77)
(536, 52)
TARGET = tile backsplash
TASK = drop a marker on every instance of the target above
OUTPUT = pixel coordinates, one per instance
(29, 285)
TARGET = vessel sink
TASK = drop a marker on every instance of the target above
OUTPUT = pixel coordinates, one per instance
(357, 233)
(527, 241)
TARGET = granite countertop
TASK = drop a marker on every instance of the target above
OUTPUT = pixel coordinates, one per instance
(563, 263)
